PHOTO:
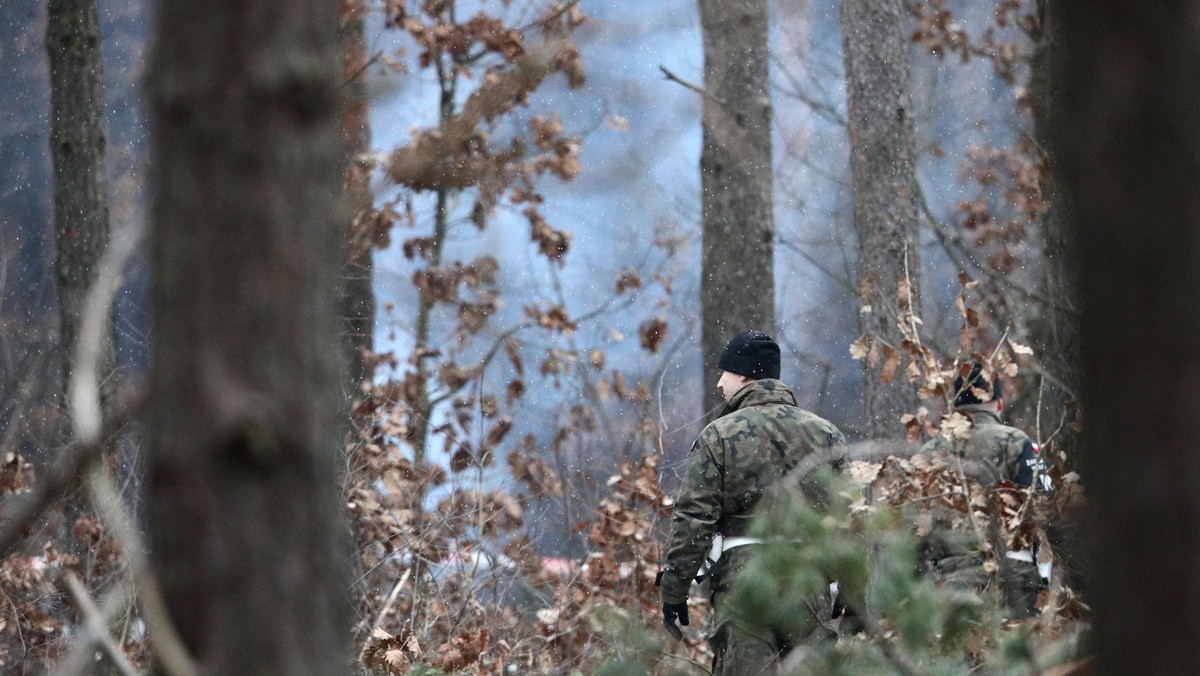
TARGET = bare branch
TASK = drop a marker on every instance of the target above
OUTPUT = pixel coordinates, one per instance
(88, 419)
(168, 646)
(688, 85)
(422, 164)
(821, 108)
(95, 632)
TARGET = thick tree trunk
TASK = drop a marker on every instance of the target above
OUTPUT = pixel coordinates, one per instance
(77, 146)
(358, 296)
(737, 287)
(884, 184)
(242, 417)
(1131, 158)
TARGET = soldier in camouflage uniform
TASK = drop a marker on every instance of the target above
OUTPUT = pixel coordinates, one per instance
(760, 435)
(993, 452)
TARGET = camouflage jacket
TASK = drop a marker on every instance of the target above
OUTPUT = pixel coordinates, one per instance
(761, 435)
(994, 452)
(998, 452)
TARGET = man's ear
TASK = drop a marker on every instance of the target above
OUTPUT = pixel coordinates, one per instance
(999, 404)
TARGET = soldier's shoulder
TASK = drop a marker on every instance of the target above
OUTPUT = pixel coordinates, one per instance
(721, 427)
(819, 430)
(810, 419)
(939, 442)
(730, 423)
(1007, 433)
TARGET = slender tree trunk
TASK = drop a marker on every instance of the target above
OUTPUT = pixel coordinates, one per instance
(1131, 158)
(358, 296)
(242, 417)
(424, 406)
(77, 146)
(737, 286)
(1056, 328)
(884, 184)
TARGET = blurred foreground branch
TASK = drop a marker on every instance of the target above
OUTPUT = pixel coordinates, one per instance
(427, 162)
(95, 632)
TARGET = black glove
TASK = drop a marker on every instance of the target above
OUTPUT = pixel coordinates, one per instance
(671, 612)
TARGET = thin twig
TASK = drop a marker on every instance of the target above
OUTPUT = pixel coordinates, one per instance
(168, 647)
(912, 315)
(387, 606)
(962, 477)
(825, 110)
(696, 88)
(539, 23)
(95, 633)
(350, 79)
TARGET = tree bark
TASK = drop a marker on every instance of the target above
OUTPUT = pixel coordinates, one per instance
(1056, 325)
(77, 146)
(737, 287)
(1131, 159)
(358, 296)
(247, 246)
(884, 185)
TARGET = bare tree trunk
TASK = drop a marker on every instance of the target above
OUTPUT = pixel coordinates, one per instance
(77, 146)
(358, 296)
(242, 418)
(737, 286)
(1131, 158)
(884, 184)
(1056, 328)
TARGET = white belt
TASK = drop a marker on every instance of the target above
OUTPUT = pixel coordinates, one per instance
(1044, 569)
(727, 544)
(722, 544)
(1022, 555)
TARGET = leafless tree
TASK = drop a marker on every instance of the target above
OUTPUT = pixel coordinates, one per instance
(77, 144)
(737, 290)
(885, 190)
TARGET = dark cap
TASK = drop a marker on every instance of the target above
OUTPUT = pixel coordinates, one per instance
(753, 354)
(965, 388)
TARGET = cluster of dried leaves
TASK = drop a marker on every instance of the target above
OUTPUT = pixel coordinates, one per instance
(36, 621)
(441, 586)
(939, 32)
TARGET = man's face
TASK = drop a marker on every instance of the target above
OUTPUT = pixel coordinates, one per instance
(730, 383)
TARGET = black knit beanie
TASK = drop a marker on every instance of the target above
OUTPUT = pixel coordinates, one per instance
(752, 354)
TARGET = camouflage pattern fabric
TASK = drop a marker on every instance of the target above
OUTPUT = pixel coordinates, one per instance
(761, 436)
(999, 452)
(994, 452)
(744, 645)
